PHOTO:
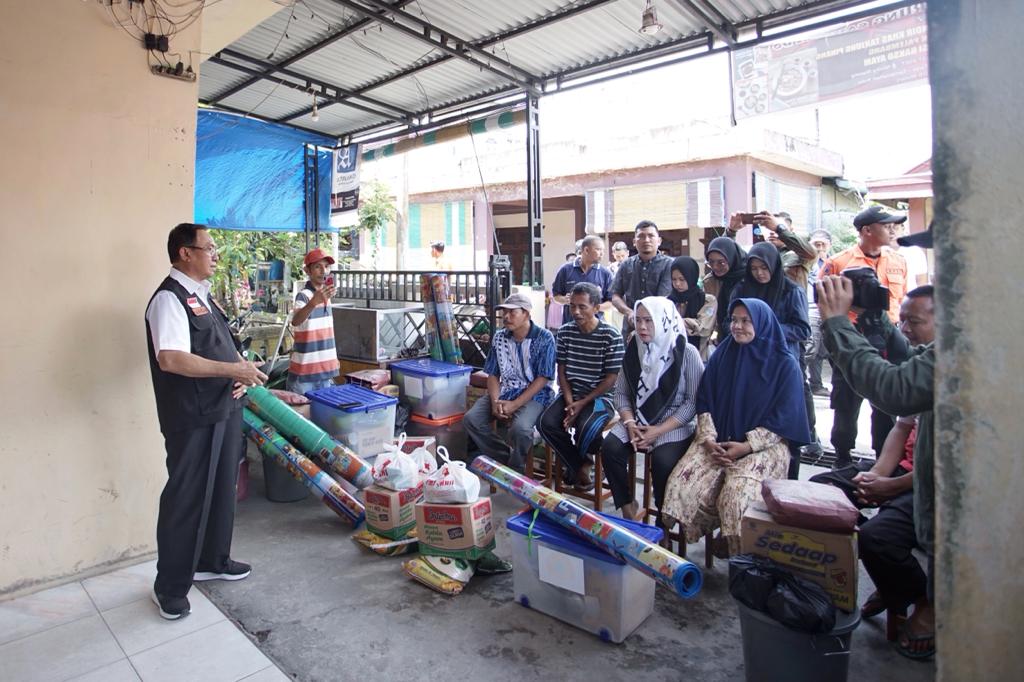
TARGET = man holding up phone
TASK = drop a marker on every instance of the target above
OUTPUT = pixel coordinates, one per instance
(314, 361)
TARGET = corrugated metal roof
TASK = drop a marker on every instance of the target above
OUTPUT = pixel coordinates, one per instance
(373, 73)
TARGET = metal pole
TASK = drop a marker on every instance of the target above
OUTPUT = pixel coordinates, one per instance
(316, 196)
(534, 208)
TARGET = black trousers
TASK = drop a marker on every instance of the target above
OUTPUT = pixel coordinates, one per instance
(197, 506)
(885, 543)
(846, 406)
(615, 457)
(588, 425)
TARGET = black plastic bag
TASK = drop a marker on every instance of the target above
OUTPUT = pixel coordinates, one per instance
(801, 605)
(766, 586)
(401, 419)
(751, 580)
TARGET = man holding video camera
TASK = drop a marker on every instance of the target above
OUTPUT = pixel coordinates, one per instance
(876, 229)
(908, 388)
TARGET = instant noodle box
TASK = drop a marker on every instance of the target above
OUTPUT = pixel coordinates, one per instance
(829, 559)
(461, 531)
(391, 513)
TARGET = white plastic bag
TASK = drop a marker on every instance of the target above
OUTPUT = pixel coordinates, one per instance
(425, 462)
(395, 470)
(452, 483)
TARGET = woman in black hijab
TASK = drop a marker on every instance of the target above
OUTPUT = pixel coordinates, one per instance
(728, 262)
(766, 280)
(695, 307)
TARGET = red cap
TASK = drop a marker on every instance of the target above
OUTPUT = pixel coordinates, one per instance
(315, 256)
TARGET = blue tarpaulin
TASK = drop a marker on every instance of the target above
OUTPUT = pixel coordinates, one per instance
(249, 174)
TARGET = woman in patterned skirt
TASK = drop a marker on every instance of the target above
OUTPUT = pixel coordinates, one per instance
(749, 408)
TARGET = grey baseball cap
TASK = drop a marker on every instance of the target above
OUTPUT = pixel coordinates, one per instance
(516, 301)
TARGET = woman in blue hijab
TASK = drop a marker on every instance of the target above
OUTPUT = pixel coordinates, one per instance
(750, 407)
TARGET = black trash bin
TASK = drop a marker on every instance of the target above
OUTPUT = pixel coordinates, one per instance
(772, 651)
(279, 485)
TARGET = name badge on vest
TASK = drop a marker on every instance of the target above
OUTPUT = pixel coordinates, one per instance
(196, 307)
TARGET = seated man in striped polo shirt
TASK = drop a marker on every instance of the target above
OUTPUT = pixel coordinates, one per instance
(314, 361)
(589, 355)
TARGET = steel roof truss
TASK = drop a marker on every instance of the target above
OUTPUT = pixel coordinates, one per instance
(269, 69)
(705, 13)
(555, 16)
(424, 31)
(341, 96)
(306, 88)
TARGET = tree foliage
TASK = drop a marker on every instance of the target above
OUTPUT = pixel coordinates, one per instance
(376, 211)
(240, 252)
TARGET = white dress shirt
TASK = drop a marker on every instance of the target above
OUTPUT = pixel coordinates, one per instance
(168, 321)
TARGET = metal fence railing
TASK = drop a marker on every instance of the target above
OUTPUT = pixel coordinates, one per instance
(473, 294)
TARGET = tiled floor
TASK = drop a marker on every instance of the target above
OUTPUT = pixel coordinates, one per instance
(106, 629)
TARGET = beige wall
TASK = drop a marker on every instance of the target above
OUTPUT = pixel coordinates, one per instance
(98, 165)
(559, 237)
(976, 58)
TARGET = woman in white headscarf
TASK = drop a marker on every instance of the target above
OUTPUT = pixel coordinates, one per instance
(655, 396)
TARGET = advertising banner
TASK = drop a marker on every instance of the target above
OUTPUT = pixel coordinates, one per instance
(345, 180)
(880, 51)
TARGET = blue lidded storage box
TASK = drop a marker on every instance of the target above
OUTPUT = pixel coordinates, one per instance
(565, 576)
(362, 419)
(431, 388)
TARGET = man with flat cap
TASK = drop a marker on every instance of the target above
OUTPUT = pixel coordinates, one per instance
(876, 229)
(519, 367)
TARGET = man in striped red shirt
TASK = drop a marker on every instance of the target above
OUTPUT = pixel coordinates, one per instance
(314, 360)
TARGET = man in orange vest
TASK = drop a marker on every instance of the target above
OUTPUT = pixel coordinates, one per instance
(877, 228)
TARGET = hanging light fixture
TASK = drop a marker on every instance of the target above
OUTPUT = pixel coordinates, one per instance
(649, 24)
(315, 116)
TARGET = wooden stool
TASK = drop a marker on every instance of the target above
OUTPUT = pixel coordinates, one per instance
(541, 471)
(597, 496)
(676, 532)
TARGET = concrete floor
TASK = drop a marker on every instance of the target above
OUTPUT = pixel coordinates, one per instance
(323, 608)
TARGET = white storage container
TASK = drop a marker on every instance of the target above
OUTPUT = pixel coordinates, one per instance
(431, 388)
(574, 580)
(354, 416)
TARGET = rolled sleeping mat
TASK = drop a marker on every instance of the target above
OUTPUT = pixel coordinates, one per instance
(446, 330)
(430, 318)
(309, 438)
(273, 445)
(676, 573)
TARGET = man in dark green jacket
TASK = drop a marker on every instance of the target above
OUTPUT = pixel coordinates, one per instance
(908, 388)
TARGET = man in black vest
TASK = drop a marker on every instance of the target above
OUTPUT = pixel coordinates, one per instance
(198, 378)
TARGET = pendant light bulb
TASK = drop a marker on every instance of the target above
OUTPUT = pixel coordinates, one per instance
(649, 24)
(316, 114)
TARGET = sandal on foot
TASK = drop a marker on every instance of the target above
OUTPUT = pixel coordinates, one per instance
(584, 481)
(903, 649)
(873, 606)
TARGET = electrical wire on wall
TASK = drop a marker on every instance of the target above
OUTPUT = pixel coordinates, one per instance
(155, 23)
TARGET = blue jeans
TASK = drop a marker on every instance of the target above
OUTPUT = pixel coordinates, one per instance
(296, 385)
(512, 449)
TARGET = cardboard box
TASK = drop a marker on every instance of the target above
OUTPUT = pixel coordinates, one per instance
(391, 513)
(373, 379)
(829, 559)
(460, 531)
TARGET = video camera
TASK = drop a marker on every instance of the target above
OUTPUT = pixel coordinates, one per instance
(868, 292)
